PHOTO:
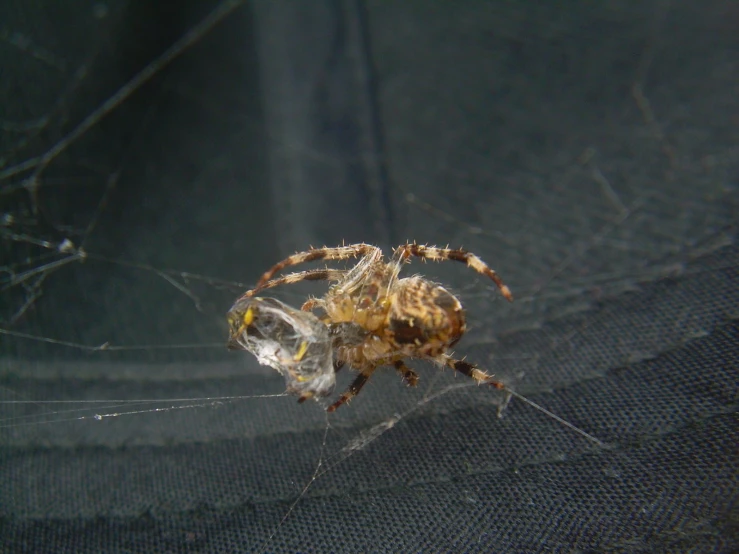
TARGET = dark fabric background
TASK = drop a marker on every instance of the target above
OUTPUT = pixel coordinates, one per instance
(588, 151)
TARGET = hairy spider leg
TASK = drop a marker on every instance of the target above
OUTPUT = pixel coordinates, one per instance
(314, 254)
(483, 378)
(459, 255)
(354, 388)
(325, 274)
(471, 371)
(409, 376)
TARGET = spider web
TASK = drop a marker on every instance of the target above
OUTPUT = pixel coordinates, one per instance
(602, 200)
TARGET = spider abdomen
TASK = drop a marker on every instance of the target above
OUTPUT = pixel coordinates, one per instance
(424, 319)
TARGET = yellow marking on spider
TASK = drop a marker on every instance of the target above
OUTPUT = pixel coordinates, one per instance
(248, 317)
(301, 351)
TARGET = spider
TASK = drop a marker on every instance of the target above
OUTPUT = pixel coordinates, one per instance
(378, 319)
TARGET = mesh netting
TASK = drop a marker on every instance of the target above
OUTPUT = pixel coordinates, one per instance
(154, 163)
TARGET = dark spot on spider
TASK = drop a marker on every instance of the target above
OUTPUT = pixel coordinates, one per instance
(458, 256)
(446, 301)
(320, 275)
(405, 333)
(315, 255)
(464, 367)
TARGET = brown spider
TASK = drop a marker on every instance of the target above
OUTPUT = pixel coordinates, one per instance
(379, 319)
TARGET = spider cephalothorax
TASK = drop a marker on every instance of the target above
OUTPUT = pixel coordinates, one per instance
(376, 318)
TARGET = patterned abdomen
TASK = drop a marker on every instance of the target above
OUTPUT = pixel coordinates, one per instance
(424, 319)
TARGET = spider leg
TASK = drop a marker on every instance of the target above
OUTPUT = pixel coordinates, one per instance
(338, 253)
(311, 275)
(483, 378)
(354, 388)
(471, 371)
(312, 303)
(438, 254)
(409, 376)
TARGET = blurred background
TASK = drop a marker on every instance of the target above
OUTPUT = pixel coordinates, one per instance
(155, 160)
